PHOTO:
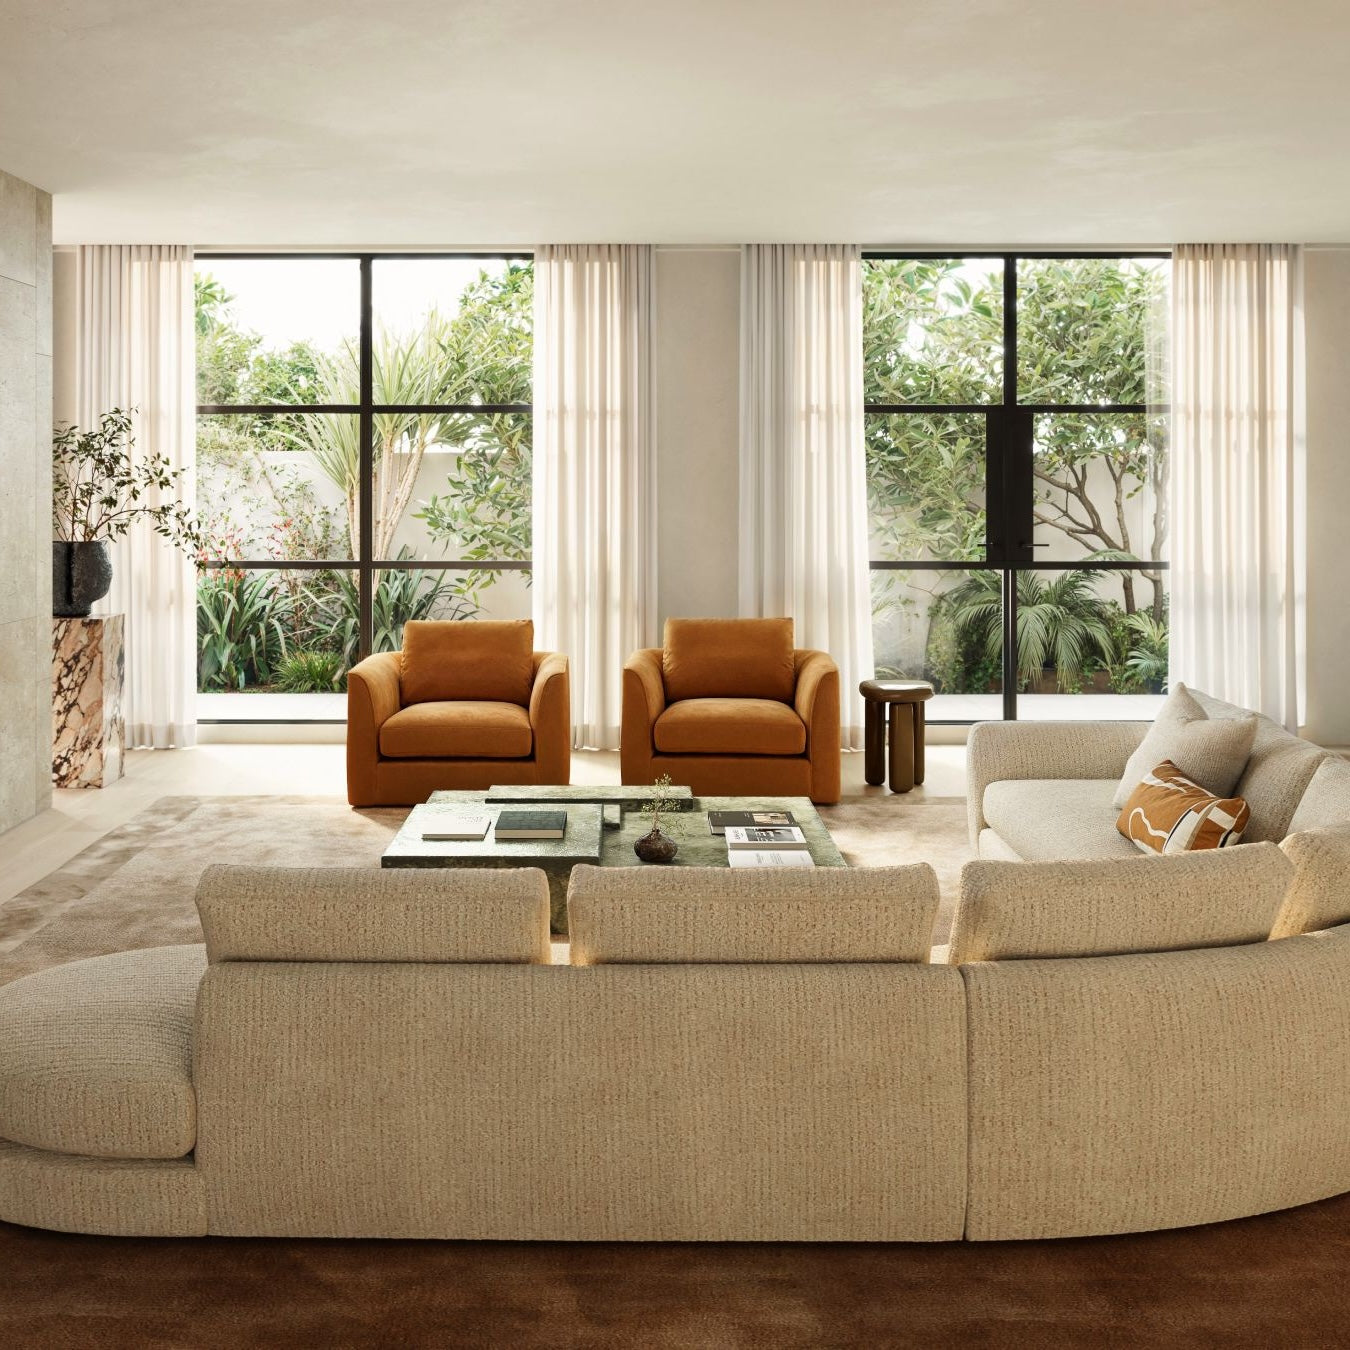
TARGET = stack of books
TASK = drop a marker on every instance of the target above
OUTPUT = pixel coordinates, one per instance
(767, 846)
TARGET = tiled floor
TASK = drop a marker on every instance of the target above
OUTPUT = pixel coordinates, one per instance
(78, 818)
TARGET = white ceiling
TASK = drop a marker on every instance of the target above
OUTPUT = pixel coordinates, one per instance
(463, 122)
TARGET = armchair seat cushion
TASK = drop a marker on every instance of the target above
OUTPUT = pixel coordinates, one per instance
(458, 730)
(730, 726)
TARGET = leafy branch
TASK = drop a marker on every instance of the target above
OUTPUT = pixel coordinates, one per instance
(100, 490)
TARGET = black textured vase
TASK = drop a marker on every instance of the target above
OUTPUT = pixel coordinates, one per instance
(81, 574)
(656, 847)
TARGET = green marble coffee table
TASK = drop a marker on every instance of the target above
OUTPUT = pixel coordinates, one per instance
(602, 826)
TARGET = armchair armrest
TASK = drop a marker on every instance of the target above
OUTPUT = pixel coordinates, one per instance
(551, 717)
(817, 704)
(998, 751)
(644, 700)
(373, 696)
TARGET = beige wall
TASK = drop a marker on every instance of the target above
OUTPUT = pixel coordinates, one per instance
(1327, 317)
(25, 500)
(697, 428)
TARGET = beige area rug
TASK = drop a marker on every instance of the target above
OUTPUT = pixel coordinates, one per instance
(135, 887)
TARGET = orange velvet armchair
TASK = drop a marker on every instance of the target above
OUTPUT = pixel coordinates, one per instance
(730, 708)
(463, 705)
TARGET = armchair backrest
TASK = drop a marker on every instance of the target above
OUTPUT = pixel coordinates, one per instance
(474, 659)
(729, 658)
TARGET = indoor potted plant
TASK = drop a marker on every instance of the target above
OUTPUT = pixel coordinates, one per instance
(655, 847)
(98, 493)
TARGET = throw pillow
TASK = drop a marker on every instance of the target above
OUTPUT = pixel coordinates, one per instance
(1210, 750)
(1110, 906)
(1168, 813)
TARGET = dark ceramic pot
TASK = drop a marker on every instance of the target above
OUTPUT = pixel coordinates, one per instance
(656, 847)
(81, 574)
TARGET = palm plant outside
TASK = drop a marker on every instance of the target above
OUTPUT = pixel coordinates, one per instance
(252, 634)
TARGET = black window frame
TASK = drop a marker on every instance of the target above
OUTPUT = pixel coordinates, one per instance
(365, 410)
(1009, 457)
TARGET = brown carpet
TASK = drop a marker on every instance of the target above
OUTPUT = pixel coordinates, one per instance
(1274, 1281)
(1277, 1280)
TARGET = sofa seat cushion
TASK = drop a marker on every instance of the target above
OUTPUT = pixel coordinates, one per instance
(96, 1056)
(730, 726)
(1050, 819)
(458, 731)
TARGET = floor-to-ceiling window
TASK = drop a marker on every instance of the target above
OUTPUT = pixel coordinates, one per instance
(1017, 474)
(363, 453)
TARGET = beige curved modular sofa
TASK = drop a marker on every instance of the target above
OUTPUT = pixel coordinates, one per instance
(1042, 791)
(387, 1054)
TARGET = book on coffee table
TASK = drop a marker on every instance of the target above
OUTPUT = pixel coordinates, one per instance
(719, 820)
(531, 825)
(452, 828)
(765, 836)
(779, 857)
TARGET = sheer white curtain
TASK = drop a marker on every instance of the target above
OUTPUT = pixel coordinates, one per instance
(594, 546)
(1238, 569)
(803, 506)
(135, 348)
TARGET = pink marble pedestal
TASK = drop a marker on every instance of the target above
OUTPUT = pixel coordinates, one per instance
(89, 731)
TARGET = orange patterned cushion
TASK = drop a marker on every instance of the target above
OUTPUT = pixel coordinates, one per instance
(1168, 813)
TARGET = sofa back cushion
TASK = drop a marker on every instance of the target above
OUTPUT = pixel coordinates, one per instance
(365, 914)
(729, 658)
(1279, 769)
(1326, 799)
(1210, 751)
(639, 915)
(448, 660)
(1319, 895)
(1109, 906)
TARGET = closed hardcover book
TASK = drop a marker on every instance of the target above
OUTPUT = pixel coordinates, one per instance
(531, 825)
(719, 820)
(451, 828)
(764, 836)
(778, 857)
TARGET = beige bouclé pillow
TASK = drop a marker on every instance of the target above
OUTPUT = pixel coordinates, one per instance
(1211, 751)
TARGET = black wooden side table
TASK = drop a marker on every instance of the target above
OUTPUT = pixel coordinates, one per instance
(905, 699)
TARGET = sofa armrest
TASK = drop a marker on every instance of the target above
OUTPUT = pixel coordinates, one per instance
(644, 700)
(817, 703)
(551, 717)
(998, 751)
(373, 697)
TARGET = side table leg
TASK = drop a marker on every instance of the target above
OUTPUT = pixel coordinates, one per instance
(920, 740)
(902, 747)
(874, 742)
